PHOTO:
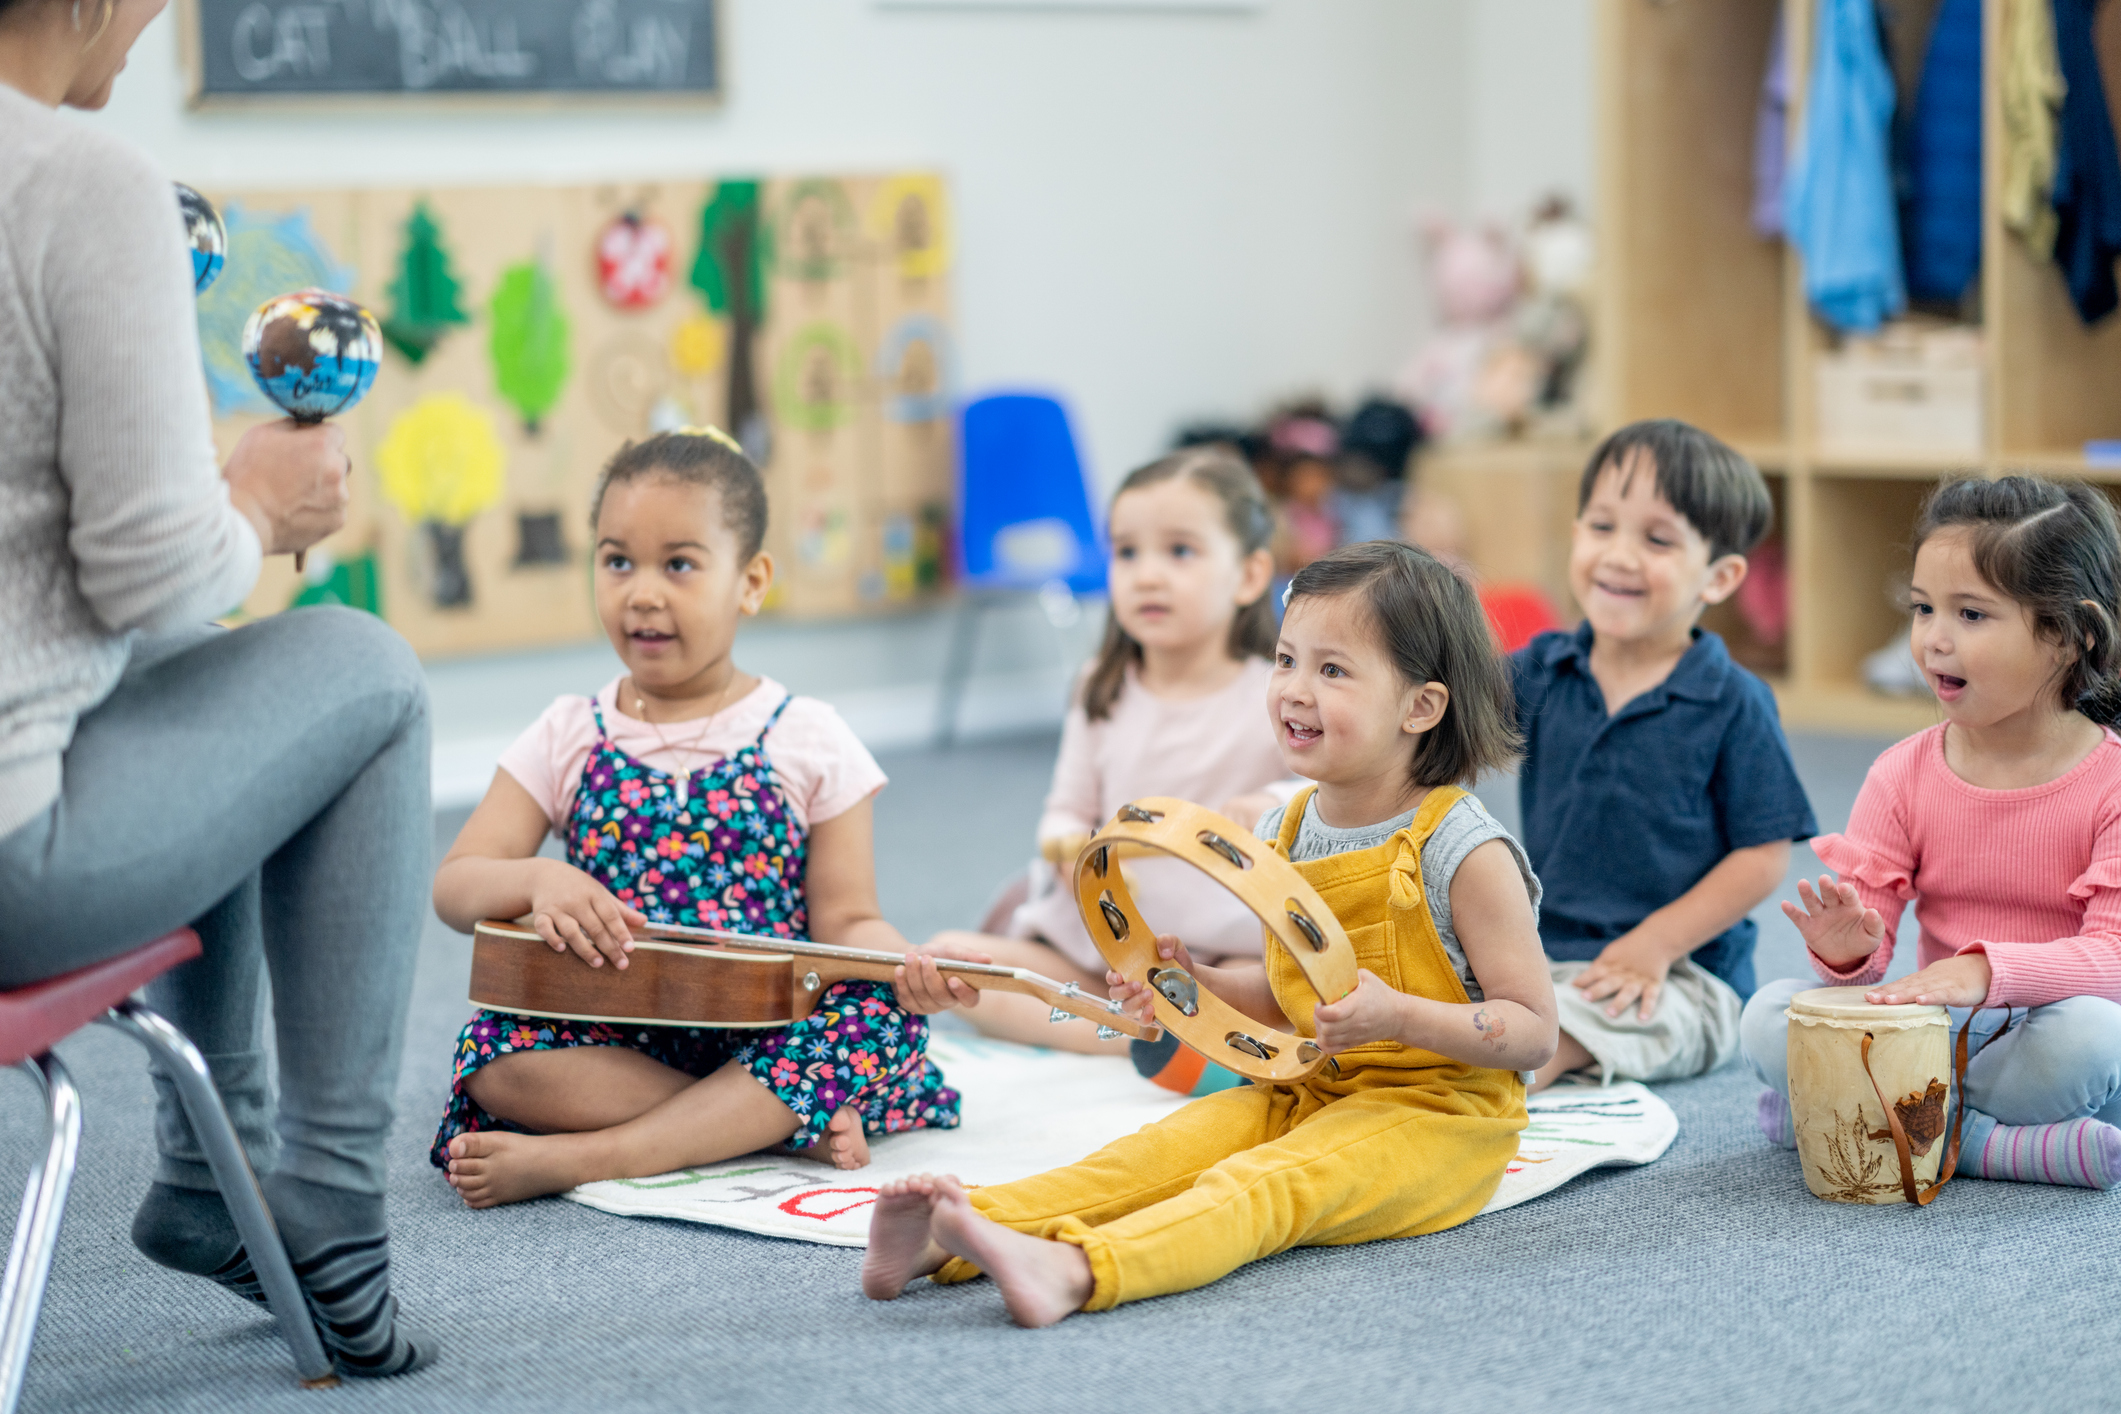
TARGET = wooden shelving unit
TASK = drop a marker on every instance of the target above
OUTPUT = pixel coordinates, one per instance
(1701, 318)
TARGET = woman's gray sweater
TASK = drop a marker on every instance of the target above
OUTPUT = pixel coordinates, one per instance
(113, 514)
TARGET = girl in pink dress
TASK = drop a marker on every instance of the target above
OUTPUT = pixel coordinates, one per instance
(2002, 825)
(1171, 706)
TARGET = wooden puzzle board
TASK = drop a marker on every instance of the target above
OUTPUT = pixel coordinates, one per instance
(468, 530)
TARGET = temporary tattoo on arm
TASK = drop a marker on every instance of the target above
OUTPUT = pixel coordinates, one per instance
(1490, 1027)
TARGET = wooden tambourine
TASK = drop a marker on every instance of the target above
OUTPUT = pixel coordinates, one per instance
(1288, 908)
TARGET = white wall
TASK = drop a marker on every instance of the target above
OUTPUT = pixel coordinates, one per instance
(1161, 214)
(1529, 104)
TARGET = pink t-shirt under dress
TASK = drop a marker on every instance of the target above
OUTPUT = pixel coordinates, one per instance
(823, 768)
(1202, 749)
(2030, 877)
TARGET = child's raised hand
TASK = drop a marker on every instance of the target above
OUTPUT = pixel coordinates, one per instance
(1135, 996)
(924, 989)
(574, 913)
(1627, 972)
(1834, 922)
(1369, 1013)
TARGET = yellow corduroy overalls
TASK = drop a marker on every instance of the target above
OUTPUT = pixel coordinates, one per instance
(1399, 1143)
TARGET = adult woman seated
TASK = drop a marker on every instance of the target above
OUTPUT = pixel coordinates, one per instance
(267, 786)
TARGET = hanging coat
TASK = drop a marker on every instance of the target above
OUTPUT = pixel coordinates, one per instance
(1838, 204)
(2087, 169)
(1941, 222)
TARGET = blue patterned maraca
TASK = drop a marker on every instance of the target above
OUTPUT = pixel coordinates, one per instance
(313, 352)
(206, 236)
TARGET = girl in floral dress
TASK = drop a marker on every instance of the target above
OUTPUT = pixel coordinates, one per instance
(689, 792)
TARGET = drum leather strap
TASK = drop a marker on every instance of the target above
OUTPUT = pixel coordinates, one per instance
(1922, 1197)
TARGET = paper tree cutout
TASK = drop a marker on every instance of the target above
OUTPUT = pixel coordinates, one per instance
(423, 299)
(441, 466)
(730, 271)
(528, 341)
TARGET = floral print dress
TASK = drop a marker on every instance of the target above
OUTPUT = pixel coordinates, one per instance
(726, 853)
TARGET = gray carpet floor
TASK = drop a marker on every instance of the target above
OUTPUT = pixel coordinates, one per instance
(1708, 1280)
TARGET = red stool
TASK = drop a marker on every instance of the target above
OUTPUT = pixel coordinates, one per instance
(36, 1018)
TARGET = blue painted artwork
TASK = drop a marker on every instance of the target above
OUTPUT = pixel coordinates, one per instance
(206, 236)
(269, 253)
(914, 365)
(313, 353)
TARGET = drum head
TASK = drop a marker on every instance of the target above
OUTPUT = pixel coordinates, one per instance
(1846, 1004)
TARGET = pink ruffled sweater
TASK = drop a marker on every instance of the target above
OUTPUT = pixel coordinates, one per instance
(2030, 877)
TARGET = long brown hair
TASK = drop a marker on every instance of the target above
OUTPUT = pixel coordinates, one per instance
(2054, 547)
(1430, 623)
(1250, 522)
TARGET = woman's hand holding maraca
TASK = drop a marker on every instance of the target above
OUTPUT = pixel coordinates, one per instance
(288, 479)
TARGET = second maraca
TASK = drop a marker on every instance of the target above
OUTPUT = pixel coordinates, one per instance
(314, 354)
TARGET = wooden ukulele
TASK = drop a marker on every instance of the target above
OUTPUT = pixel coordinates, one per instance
(678, 976)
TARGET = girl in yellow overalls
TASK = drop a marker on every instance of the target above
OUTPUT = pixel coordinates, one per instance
(1388, 693)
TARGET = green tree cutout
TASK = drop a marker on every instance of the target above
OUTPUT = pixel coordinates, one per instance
(528, 341)
(423, 299)
(730, 271)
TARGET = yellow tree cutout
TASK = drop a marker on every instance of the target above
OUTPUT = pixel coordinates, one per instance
(442, 464)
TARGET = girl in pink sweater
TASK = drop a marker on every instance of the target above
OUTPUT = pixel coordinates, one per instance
(2002, 825)
(1171, 706)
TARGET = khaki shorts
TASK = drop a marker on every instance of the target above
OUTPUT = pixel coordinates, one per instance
(1694, 1029)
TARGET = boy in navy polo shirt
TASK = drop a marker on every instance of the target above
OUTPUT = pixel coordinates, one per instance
(1659, 800)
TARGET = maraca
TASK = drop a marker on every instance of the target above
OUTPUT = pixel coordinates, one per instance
(314, 353)
(205, 234)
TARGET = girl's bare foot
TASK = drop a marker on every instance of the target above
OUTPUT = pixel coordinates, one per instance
(1041, 1281)
(843, 1145)
(492, 1167)
(900, 1248)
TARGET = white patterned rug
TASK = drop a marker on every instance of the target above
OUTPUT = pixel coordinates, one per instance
(1029, 1110)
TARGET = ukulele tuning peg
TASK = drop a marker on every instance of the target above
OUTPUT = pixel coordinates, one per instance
(1109, 1033)
(1057, 1016)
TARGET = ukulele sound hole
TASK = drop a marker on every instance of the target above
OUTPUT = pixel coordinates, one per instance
(1246, 1045)
(1177, 987)
(1139, 816)
(1115, 921)
(1305, 926)
(1224, 848)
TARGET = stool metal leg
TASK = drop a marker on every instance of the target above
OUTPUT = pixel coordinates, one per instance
(239, 1186)
(957, 666)
(29, 1262)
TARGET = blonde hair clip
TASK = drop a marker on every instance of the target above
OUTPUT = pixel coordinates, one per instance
(712, 433)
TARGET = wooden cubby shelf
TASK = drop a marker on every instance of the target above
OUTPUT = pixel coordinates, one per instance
(1701, 318)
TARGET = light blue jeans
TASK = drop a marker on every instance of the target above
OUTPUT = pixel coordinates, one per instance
(2061, 1061)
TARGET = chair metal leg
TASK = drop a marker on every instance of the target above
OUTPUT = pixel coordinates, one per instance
(957, 666)
(239, 1186)
(29, 1262)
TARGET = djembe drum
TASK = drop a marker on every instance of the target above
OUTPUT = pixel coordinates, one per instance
(1288, 908)
(1871, 1090)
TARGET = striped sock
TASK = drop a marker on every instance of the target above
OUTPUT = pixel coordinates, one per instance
(1181, 1068)
(2082, 1153)
(1774, 1117)
(189, 1230)
(340, 1248)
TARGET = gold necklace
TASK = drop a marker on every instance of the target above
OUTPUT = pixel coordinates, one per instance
(684, 755)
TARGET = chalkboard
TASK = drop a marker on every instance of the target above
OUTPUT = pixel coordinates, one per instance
(241, 49)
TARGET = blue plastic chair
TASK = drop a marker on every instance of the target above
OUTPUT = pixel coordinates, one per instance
(1024, 522)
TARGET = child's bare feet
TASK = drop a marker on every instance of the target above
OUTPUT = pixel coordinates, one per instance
(1041, 1281)
(492, 1167)
(843, 1145)
(900, 1248)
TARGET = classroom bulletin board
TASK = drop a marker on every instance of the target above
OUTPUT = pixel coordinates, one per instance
(530, 331)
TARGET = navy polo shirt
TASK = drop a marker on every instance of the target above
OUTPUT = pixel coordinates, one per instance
(1622, 814)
